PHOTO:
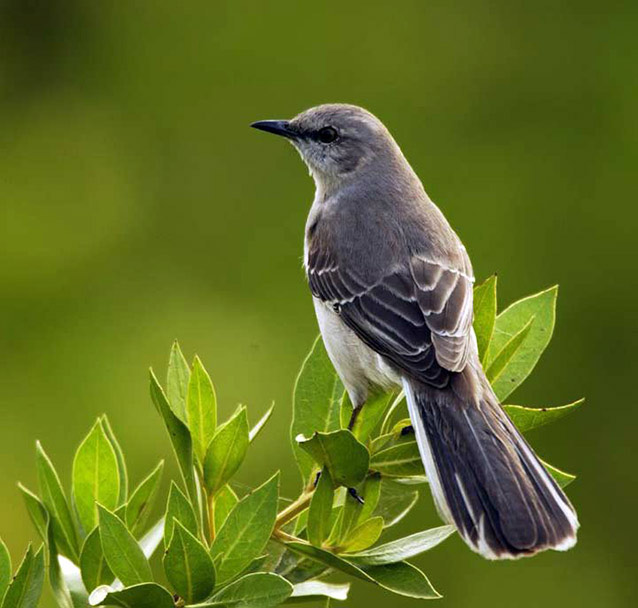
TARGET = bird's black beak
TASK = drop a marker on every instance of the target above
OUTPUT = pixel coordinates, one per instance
(278, 127)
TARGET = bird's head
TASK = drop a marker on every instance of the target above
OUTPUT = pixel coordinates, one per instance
(335, 140)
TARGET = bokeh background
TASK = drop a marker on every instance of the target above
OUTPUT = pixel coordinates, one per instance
(137, 206)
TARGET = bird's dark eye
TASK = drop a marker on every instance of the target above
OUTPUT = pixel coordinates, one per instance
(327, 135)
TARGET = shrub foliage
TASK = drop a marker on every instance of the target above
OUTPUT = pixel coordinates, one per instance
(256, 549)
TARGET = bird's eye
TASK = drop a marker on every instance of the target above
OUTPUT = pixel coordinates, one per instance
(327, 135)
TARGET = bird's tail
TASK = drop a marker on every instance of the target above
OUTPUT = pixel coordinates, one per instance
(484, 477)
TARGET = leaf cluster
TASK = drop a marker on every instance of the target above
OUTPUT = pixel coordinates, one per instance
(360, 477)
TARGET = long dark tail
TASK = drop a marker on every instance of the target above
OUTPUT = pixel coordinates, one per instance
(484, 477)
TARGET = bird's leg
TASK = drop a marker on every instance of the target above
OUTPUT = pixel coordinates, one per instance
(355, 414)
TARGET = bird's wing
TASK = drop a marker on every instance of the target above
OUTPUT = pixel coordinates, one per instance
(418, 315)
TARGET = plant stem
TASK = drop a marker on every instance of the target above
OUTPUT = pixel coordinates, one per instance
(284, 536)
(294, 509)
(211, 516)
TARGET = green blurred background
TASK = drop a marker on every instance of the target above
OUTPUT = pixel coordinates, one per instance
(137, 206)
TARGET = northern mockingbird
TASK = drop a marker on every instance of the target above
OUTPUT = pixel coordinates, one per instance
(392, 289)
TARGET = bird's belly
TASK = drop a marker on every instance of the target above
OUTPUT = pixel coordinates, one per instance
(359, 367)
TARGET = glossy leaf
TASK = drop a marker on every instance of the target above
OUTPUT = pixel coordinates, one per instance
(145, 595)
(64, 578)
(57, 506)
(188, 566)
(246, 531)
(370, 493)
(349, 516)
(346, 458)
(123, 555)
(5, 569)
(484, 314)
(364, 535)
(37, 512)
(178, 507)
(25, 589)
(400, 578)
(370, 415)
(178, 434)
(225, 501)
(507, 358)
(528, 418)
(177, 379)
(400, 460)
(261, 423)
(95, 570)
(96, 477)
(403, 548)
(121, 462)
(259, 590)
(317, 590)
(201, 408)
(318, 525)
(142, 499)
(316, 403)
(562, 478)
(226, 451)
(395, 502)
(541, 310)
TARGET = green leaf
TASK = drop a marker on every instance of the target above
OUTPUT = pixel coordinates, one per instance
(178, 434)
(226, 451)
(95, 570)
(528, 418)
(403, 548)
(364, 535)
(57, 506)
(145, 595)
(96, 478)
(178, 507)
(562, 478)
(259, 590)
(25, 589)
(316, 403)
(484, 314)
(321, 509)
(403, 578)
(371, 492)
(400, 578)
(400, 460)
(5, 569)
(123, 555)
(64, 577)
(177, 382)
(316, 590)
(350, 513)
(246, 531)
(121, 463)
(346, 458)
(370, 415)
(188, 566)
(37, 512)
(201, 408)
(141, 501)
(254, 432)
(225, 501)
(507, 357)
(395, 502)
(541, 310)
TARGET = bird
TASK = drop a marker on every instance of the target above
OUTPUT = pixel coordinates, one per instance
(392, 288)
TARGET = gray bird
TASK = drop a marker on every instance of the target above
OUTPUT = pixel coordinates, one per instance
(392, 289)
